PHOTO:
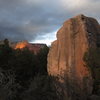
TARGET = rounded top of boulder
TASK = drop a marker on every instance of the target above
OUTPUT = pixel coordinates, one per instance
(80, 15)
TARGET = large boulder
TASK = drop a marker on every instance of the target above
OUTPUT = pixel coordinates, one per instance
(65, 59)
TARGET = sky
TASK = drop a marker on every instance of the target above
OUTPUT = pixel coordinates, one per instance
(39, 20)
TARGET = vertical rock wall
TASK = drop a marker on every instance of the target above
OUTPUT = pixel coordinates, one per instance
(65, 57)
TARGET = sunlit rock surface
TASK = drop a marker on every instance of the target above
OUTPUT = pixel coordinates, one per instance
(31, 46)
(65, 58)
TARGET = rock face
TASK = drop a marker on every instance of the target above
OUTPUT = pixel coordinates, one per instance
(32, 47)
(65, 58)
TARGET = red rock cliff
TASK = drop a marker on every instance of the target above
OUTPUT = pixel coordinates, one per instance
(32, 47)
(65, 57)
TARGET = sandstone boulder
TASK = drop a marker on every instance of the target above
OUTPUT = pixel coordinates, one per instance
(65, 58)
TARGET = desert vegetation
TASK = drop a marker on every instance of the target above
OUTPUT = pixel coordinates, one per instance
(23, 75)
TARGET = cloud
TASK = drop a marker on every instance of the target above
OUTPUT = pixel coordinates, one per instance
(38, 19)
(89, 7)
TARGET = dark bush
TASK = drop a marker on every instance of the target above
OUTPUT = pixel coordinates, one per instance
(20, 69)
(92, 59)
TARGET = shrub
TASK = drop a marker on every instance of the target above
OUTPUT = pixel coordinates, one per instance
(92, 59)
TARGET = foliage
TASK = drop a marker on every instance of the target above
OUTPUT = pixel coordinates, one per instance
(8, 86)
(6, 55)
(41, 88)
(23, 62)
(42, 60)
(92, 59)
(22, 69)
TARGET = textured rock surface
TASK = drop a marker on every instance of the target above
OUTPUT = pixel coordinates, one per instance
(65, 57)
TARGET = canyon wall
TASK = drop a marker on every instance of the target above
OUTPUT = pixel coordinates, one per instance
(65, 58)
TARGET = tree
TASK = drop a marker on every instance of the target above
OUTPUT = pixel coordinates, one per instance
(41, 88)
(6, 42)
(42, 60)
(21, 69)
(6, 54)
(92, 59)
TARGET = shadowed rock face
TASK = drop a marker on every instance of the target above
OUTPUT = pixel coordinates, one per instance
(65, 57)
